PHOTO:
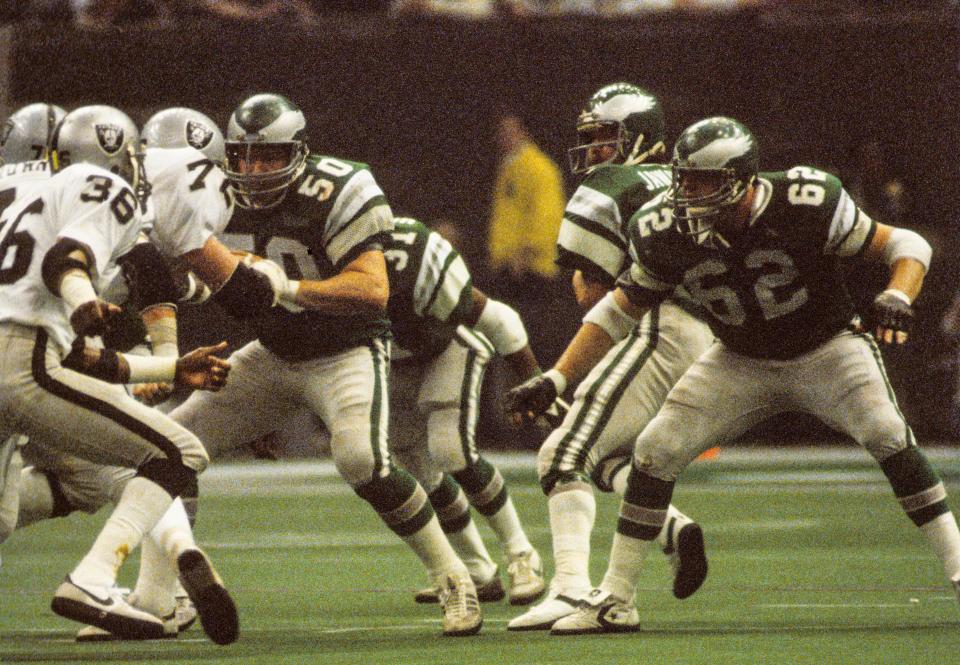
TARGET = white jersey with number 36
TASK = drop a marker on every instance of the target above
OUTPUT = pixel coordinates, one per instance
(84, 203)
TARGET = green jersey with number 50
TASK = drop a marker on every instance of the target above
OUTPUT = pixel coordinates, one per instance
(334, 212)
(430, 288)
(777, 292)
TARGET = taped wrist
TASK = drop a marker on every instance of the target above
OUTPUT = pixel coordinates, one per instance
(151, 369)
(501, 324)
(610, 316)
(246, 294)
(75, 288)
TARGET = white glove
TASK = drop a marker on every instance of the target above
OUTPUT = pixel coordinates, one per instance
(284, 289)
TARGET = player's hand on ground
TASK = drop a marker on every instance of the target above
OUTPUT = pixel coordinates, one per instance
(890, 319)
(533, 397)
(152, 394)
(94, 317)
(202, 369)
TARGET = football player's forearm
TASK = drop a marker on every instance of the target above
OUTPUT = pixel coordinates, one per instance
(587, 291)
(350, 292)
(906, 276)
(523, 363)
(587, 348)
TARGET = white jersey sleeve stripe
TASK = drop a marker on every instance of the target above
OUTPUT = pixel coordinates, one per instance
(357, 191)
(448, 294)
(849, 228)
(375, 220)
(641, 276)
(436, 255)
(596, 248)
(597, 207)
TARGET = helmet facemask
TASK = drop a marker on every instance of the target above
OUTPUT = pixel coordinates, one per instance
(256, 188)
(699, 197)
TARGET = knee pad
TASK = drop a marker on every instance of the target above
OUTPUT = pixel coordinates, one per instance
(446, 441)
(172, 476)
(353, 455)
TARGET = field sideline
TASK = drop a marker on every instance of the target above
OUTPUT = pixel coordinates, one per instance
(811, 560)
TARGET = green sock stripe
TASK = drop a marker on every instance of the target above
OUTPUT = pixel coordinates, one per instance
(414, 524)
(475, 478)
(446, 492)
(872, 343)
(639, 531)
(909, 472)
(456, 524)
(648, 492)
(492, 507)
(591, 395)
(389, 493)
(928, 513)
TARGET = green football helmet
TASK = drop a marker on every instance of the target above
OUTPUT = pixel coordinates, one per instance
(27, 133)
(714, 163)
(636, 117)
(266, 129)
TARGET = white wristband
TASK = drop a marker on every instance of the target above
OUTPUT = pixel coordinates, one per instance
(288, 299)
(151, 369)
(897, 293)
(610, 316)
(558, 379)
(501, 324)
(76, 289)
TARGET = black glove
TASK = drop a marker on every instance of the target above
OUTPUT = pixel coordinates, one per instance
(531, 398)
(890, 313)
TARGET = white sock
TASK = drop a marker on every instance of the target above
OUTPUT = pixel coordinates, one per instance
(141, 505)
(158, 583)
(435, 551)
(506, 524)
(468, 544)
(674, 522)
(944, 539)
(619, 480)
(623, 570)
(572, 512)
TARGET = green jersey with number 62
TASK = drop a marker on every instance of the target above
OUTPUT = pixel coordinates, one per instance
(334, 212)
(593, 233)
(777, 292)
(430, 288)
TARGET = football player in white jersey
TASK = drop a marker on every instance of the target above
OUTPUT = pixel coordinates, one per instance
(59, 245)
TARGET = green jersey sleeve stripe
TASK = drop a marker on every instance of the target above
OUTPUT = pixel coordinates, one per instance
(456, 281)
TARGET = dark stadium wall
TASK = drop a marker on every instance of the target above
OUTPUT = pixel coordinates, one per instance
(417, 100)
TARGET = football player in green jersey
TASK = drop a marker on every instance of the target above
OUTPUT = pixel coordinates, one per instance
(762, 252)
(446, 332)
(621, 133)
(322, 221)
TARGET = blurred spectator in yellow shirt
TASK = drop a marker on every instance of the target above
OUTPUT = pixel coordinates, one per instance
(528, 201)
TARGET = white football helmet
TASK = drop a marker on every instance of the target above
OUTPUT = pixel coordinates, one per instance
(104, 136)
(27, 133)
(179, 127)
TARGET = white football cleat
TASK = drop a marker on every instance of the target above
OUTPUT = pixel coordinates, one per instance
(688, 559)
(105, 608)
(599, 612)
(94, 634)
(186, 613)
(526, 578)
(461, 608)
(543, 615)
(218, 613)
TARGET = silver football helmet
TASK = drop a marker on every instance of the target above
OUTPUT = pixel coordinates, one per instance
(104, 136)
(179, 127)
(27, 133)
